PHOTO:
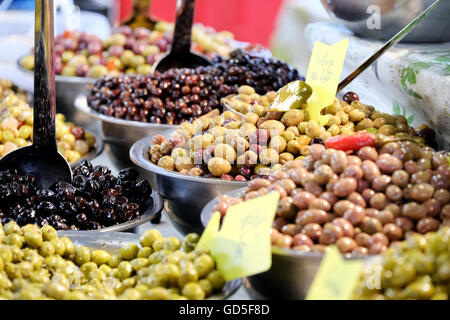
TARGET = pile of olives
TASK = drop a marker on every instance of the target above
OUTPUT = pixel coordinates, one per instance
(37, 264)
(16, 128)
(417, 268)
(125, 50)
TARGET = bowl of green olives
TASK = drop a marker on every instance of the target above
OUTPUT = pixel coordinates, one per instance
(185, 195)
(82, 265)
(120, 134)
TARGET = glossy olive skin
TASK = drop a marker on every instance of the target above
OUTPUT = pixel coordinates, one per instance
(36, 264)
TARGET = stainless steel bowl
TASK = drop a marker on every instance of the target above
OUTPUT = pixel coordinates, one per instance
(290, 275)
(120, 134)
(185, 195)
(112, 241)
(66, 91)
(394, 15)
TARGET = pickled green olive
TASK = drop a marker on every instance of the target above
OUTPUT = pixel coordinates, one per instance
(33, 239)
(204, 264)
(149, 237)
(129, 251)
(82, 255)
(124, 270)
(100, 257)
(49, 233)
(292, 96)
(216, 279)
(193, 291)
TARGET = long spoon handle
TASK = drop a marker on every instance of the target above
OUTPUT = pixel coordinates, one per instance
(183, 26)
(44, 76)
(392, 42)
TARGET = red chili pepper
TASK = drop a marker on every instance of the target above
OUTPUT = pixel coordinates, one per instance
(351, 142)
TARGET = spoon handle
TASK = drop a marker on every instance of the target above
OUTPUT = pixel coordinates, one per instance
(44, 77)
(183, 26)
(392, 42)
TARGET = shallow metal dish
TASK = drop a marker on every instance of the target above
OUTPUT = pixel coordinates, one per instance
(66, 90)
(154, 206)
(112, 241)
(394, 15)
(291, 273)
(185, 195)
(120, 134)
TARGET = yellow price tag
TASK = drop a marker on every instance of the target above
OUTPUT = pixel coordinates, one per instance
(242, 247)
(336, 278)
(323, 75)
(210, 231)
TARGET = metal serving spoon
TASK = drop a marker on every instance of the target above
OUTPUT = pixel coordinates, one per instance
(180, 55)
(392, 42)
(42, 158)
(140, 16)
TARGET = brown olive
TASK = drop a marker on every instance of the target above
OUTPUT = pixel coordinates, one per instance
(323, 174)
(319, 248)
(385, 216)
(330, 197)
(400, 178)
(354, 160)
(426, 225)
(346, 244)
(316, 151)
(290, 229)
(380, 183)
(378, 201)
(442, 195)
(363, 239)
(371, 225)
(357, 199)
(445, 212)
(278, 223)
(338, 161)
(404, 223)
(392, 231)
(355, 214)
(346, 226)
(330, 234)
(394, 192)
(421, 177)
(377, 248)
(342, 206)
(321, 204)
(345, 187)
(370, 169)
(388, 163)
(311, 215)
(302, 239)
(256, 184)
(327, 154)
(432, 207)
(302, 248)
(414, 211)
(303, 199)
(287, 184)
(367, 194)
(380, 237)
(283, 241)
(353, 171)
(285, 208)
(312, 230)
(313, 187)
(394, 208)
(422, 192)
(368, 153)
(277, 187)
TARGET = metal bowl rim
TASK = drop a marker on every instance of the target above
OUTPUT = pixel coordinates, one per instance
(275, 250)
(58, 78)
(81, 104)
(138, 158)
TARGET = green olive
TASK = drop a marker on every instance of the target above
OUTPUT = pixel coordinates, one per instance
(216, 280)
(49, 233)
(11, 228)
(33, 239)
(14, 239)
(193, 291)
(148, 237)
(171, 243)
(114, 261)
(139, 263)
(124, 270)
(59, 245)
(206, 286)
(82, 255)
(156, 294)
(100, 257)
(204, 264)
(144, 252)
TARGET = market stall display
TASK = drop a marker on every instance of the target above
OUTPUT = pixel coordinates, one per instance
(39, 263)
(95, 199)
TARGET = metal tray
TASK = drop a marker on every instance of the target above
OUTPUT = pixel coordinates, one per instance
(112, 241)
